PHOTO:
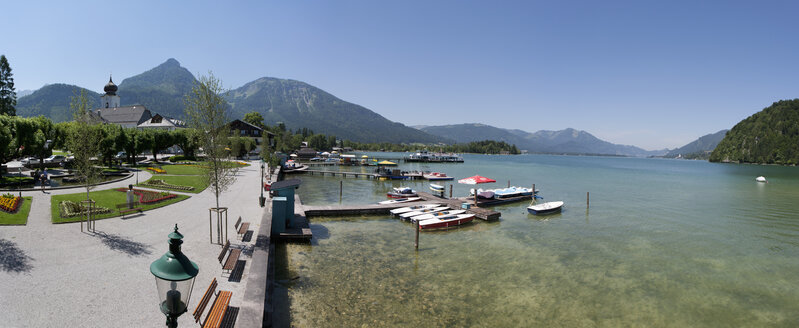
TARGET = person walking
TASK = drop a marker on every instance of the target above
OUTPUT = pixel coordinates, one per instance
(44, 179)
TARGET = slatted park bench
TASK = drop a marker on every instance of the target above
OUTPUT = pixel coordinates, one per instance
(218, 309)
(232, 258)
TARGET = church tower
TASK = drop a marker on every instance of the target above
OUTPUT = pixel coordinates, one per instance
(110, 98)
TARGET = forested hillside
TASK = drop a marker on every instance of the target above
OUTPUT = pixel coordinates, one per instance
(770, 136)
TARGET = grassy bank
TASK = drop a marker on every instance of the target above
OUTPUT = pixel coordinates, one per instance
(103, 198)
(196, 181)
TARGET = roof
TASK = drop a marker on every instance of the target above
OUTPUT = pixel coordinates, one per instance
(126, 114)
(159, 121)
(286, 184)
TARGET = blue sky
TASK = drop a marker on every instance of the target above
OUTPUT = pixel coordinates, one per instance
(653, 74)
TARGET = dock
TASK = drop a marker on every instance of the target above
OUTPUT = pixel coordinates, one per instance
(405, 176)
(377, 209)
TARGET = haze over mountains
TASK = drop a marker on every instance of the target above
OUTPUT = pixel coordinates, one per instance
(298, 105)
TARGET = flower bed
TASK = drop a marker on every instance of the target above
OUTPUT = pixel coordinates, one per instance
(149, 197)
(156, 170)
(10, 203)
(69, 209)
(163, 184)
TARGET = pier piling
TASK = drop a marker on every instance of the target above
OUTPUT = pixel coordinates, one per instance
(587, 198)
(450, 191)
(340, 190)
(416, 244)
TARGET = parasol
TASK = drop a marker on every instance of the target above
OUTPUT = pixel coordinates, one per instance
(476, 180)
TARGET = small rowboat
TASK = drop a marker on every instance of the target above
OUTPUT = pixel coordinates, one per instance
(545, 208)
(398, 211)
(761, 179)
(437, 215)
(436, 188)
(455, 221)
(400, 200)
(408, 215)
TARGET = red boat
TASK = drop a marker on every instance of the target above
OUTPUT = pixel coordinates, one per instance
(446, 222)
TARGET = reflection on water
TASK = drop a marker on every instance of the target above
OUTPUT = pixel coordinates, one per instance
(664, 243)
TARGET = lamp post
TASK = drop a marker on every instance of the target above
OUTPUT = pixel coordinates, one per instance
(262, 200)
(174, 277)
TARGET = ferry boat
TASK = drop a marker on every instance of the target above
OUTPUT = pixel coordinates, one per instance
(427, 157)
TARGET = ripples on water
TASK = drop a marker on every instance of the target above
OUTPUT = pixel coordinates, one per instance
(664, 243)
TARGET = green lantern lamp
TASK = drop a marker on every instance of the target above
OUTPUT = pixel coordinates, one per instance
(174, 277)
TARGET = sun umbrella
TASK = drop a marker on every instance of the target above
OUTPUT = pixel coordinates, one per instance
(387, 163)
(476, 179)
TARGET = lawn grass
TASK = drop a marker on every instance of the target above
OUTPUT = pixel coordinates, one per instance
(196, 181)
(104, 198)
(19, 218)
(183, 169)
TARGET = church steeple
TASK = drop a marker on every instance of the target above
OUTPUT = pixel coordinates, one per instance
(110, 99)
(110, 88)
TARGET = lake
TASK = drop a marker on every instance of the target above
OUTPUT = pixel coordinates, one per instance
(664, 243)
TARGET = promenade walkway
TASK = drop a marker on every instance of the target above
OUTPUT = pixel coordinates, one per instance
(54, 275)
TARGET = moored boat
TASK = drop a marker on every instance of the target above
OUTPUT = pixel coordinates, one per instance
(457, 220)
(437, 176)
(401, 192)
(398, 211)
(761, 179)
(399, 200)
(545, 208)
(437, 215)
(436, 188)
(408, 215)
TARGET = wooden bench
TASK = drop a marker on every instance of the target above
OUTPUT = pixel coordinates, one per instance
(127, 208)
(198, 311)
(242, 227)
(218, 309)
(232, 258)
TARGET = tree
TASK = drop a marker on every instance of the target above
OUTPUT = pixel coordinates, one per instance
(82, 141)
(8, 97)
(142, 141)
(187, 140)
(206, 110)
(8, 144)
(162, 140)
(254, 118)
(108, 133)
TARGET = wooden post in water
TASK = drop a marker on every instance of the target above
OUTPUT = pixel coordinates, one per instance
(534, 192)
(450, 191)
(587, 199)
(416, 245)
(340, 190)
(508, 183)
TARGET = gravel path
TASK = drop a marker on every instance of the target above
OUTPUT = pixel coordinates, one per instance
(54, 275)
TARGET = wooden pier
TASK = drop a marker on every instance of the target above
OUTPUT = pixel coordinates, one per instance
(342, 173)
(377, 209)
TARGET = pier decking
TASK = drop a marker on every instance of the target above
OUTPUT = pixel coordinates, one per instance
(377, 209)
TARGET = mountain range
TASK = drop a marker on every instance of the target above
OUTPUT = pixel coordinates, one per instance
(300, 105)
(699, 148)
(567, 141)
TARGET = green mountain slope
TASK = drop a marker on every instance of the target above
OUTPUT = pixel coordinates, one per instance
(567, 141)
(770, 136)
(699, 148)
(160, 89)
(298, 104)
(52, 101)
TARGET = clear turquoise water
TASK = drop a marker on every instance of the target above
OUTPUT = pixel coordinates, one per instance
(664, 243)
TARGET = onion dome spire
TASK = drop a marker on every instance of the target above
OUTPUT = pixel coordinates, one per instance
(110, 88)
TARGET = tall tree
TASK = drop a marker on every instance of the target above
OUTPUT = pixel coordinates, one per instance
(206, 110)
(254, 118)
(83, 141)
(8, 97)
(162, 140)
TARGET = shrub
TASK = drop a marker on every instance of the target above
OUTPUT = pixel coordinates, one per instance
(178, 158)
